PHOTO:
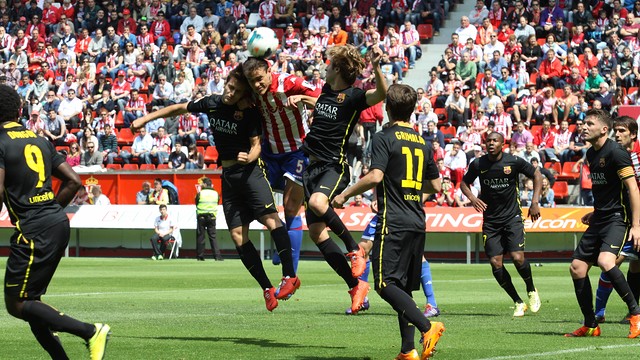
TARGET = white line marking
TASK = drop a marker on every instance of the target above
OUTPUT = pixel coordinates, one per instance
(560, 352)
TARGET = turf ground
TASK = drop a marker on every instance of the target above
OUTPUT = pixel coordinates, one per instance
(183, 309)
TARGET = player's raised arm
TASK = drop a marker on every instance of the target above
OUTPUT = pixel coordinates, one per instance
(169, 111)
(380, 92)
(70, 183)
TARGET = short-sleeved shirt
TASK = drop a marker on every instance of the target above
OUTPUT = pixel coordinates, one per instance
(28, 161)
(499, 185)
(608, 167)
(231, 127)
(334, 118)
(407, 163)
(163, 225)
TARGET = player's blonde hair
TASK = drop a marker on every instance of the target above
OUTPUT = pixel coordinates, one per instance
(347, 61)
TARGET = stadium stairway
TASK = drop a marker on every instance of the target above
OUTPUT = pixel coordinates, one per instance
(433, 50)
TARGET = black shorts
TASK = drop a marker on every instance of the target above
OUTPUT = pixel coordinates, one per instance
(33, 261)
(503, 238)
(246, 194)
(397, 259)
(605, 233)
(327, 178)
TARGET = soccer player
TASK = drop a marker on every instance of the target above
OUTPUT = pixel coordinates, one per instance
(503, 225)
(285, 127)
(613, 221)
(626, 133)
(335, 115)
(27, 163)
(245, 191)
(402, 168)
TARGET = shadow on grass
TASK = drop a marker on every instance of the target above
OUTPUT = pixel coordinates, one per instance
(360, 314)
(267, 343)
(561, 321)
(469, 314)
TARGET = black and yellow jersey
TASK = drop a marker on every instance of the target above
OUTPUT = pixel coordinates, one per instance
(231, 127)
(334, 118)
(608, 166)
(499, 185)
(407, 163)
(28, 162)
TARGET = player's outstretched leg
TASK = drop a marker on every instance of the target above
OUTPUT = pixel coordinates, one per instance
(364, 277)
(294, 227)
(290, 282)
(602, 296)
(431, 308)
(584, 294)
(622, 288)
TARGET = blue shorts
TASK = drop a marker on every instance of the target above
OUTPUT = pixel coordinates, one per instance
(628, 251)
(370, 231)
(289, 165)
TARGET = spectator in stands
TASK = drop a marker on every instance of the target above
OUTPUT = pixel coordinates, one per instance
(581, 16)
(550, 71)
(163, 228)
(97, 197)
(142, 196)
(530, 152)
(92, 156)
(195, 159)
(532, 54)
(55, 128)
(188, 130)
(545, 140)
(490, 102)
(226, 26)
(135, 108)
(461, 199)
(70, 108)
(34, 123)
(163, 94)
(433, 134)
(456, 160)
(446, 195)
(478, 14)
(506, 87)
(109, 145)
(466, 30)
(521, 137)
(163, 68)
(159, 196)
(604, 96)
(318, 64)
(547, 195)
(320, 19)
(466, 71)
(284, 12)
(586, 195)
(455, 106)
(358, 202)
(526, 194)
(141, 148)
(73, 157)
(496, 64)
(523, 30)
(267, 11)
(177, 159)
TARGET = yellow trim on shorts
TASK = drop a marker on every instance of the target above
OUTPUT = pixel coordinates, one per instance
(26, 275)
(383, 231)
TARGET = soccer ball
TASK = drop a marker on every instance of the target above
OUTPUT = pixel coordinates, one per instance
(262, 43)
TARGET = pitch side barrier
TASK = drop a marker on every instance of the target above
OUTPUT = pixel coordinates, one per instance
(443, 220)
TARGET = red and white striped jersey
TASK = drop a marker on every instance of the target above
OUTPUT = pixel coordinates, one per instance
(187, 122)
(285, 128)
(635, 160)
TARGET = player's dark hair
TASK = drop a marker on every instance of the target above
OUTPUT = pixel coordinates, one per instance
(163, 206)
(602, 116)
(401, 101)
(627, 122)
(253, 63)
(10, 105)
(347, 61)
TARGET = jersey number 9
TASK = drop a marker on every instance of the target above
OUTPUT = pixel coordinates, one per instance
(33, 157)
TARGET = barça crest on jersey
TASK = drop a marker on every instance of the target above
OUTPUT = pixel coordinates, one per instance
(237, 115)
(340, 98)
(602, 162)
(507, 170)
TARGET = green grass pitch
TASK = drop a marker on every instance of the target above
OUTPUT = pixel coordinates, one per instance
(183, 309)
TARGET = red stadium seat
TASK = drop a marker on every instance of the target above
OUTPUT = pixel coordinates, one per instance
(125, 137)
(130, 167)
(114, 166)
(555, 166)
(163, 166)
(147, 167)
(211, 155)
(561, 190)
(425, 31)
(567, 173)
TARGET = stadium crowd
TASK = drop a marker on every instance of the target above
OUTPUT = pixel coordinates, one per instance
(529, 70)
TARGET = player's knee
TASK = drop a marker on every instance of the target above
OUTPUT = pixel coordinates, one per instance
(517, 258)
(236, 236)
(496, 262)
(14, 307)
(577, 269)
(318, 204)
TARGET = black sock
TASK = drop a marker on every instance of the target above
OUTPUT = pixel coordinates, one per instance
(584, 294)
(283, 245)
(404, 305)
(504, 280)
(39, 312)
(634, 284)
(525, 273)
(50, 342)
(251, 260)
(337, 226)
(622, 288)
(407, 334)
(335, 258)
